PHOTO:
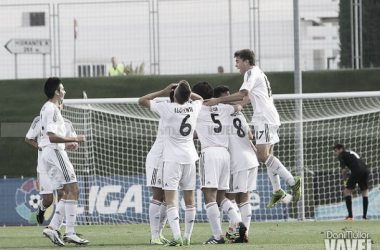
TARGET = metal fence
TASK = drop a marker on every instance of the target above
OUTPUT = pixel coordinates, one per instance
(78, 39)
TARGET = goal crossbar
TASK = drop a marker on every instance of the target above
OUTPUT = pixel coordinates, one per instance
(120, 133)
(276, 97)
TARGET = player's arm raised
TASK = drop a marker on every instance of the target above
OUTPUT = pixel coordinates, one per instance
(196, 97)
(145, 100)
(238, 96)
(243, 102)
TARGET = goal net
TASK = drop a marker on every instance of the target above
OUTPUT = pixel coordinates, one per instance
(111, 164)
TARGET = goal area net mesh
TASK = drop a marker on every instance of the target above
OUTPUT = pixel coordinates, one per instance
(110, 165)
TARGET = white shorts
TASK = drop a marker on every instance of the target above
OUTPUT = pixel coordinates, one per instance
(58, 167)
(154, 173)
(266, 133)
(178, 175)
(243, 181)
(44, 183)
(214, 168)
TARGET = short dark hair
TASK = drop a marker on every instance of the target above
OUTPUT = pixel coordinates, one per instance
(339, 146)
(171, 94)
(203, 89)
(51, 85)
(246, 54)
(218, 91)
(183, 92)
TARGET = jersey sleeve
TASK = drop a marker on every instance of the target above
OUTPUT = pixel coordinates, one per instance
(230, 109)
(70, 132)
(34, 129)
(198, 105)
(248, 81)
(51, 120)
(159, 108)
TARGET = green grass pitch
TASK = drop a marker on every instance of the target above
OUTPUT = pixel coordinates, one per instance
(263, 236)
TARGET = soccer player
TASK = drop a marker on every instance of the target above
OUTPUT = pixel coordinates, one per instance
(46, 190)
(244, 166)
(157, 206)
(45, 186)
(179, 155)
(265, 120)
(359, 175)
(56, 161)
(214, 165)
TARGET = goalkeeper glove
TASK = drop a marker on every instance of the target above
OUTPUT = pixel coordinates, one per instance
(345, 183)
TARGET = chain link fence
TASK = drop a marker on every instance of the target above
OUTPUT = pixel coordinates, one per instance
(166, 37)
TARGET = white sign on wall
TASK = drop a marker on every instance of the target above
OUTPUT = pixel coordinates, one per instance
(28, 46)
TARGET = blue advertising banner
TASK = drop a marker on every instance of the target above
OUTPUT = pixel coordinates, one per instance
(329, 201)
(116, 199)
(338, 211)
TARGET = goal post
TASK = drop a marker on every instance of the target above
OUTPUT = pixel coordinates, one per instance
(111, 164)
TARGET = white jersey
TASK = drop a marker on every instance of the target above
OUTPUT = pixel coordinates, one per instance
(260, 94)
(157, 149)
(34, 134)
(51, 121)
(179, 123)
(241, 153)
(212, 125)
(70, 131)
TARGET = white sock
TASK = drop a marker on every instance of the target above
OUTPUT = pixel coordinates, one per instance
(71, 216)
(230, 210)
(237, 210)
(274, 179)
(173, 218)
(246, 214)
(163, 218)
(58, 216)
(189, 221)
(60, 225)
(276, 166)
(62, 214)
(236, 207)
(221, 215)
(154, 217)
(213, 215)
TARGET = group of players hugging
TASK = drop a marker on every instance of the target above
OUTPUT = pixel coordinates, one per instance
(228, 160)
